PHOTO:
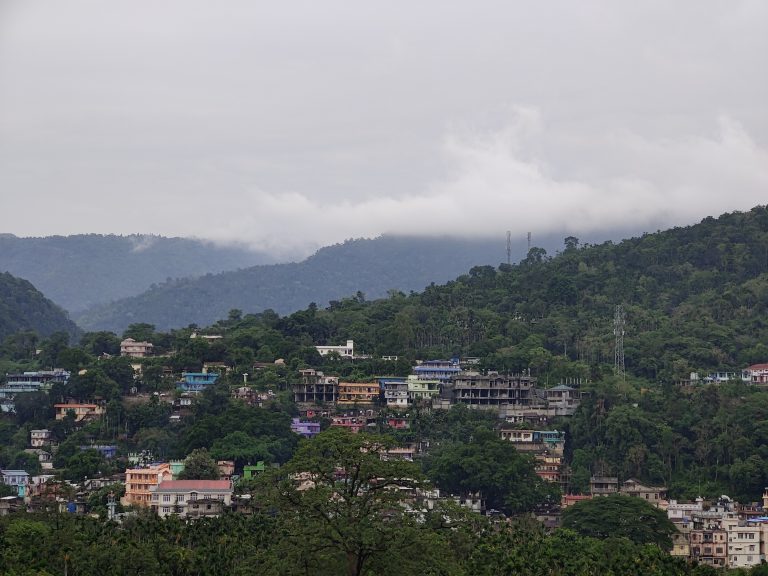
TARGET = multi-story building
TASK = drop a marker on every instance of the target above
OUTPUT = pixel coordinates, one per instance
(492, 390)
(421, 389)
(654, 495)
(191, 498)
(395, 392)
(305, 428)
(197, 381)
(758, 374)
(743, 545)
(353, 423)
(140, 481)
(39, 381)
(441, 370)
(132, 348)
(682, 512)
(603, 485)
(39, 438)
(709, 546)
(353, 393)
(81, 411)
(316, 388)
(344, 350)
(563, 400)
(539, 441)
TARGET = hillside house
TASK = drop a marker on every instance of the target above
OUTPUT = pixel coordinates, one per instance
(82, 412)
(140, 481)
(344, 350)
(196, 382)
(39, 438)
(351, 393)
(316, 388)
(134, 349)
(191, 498)
(652, 494)
(603, 485)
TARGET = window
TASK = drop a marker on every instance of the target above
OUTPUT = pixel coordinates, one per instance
(193, 496)
(166, 510)
(166, 497)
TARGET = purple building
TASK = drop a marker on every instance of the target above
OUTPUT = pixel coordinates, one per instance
(306, 429)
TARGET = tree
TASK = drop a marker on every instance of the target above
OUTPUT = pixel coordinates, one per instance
(199, 466)
(492, 467)
(620, 516)
(341, 502)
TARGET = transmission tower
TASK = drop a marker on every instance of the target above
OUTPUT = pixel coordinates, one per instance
(509, 247)
(618, 332)
(529, 241)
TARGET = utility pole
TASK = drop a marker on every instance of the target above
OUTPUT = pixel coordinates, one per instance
(618, 332)
(509, 247)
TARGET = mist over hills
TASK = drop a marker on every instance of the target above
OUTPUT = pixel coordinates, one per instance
(81, 271)
(23, 307)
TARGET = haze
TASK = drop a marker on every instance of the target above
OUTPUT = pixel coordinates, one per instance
(291, 125)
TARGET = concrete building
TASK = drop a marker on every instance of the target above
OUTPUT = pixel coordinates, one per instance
(305, 428)
(354, 393)
(709, 546)
(316, 388)
(492, 390)
(422, 390)
(195, 382)
(140, 481)
(81, 411)
(563, 400)
(133, 349)
(191, 498)
(603, 485)
(344, 350)
(395, 392)
(39, 438)
(441, 370)
(758, 374)
(652, 494)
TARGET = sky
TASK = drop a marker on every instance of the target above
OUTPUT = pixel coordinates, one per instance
(290, 125)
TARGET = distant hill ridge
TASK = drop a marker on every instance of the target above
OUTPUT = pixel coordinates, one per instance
(84, 270)
(23, 307)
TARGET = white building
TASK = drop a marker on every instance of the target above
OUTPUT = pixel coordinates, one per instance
(345, 351)
(191, 498)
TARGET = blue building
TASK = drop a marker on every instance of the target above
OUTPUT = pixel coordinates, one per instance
(197, 381)
(441, 370)
(29, 382)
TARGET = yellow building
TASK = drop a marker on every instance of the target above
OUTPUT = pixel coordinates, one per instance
(81, 411)
(139, 483)
(357, 393)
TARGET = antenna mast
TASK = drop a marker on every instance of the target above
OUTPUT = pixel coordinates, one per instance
(509, 247)
(618, 332)
(529, 241)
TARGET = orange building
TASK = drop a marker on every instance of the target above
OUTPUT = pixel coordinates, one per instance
(81, 411)
(139, 483)
(357, 393)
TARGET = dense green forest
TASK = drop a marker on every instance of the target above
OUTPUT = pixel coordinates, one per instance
(24, 308)
(83, 270)
(371, 267)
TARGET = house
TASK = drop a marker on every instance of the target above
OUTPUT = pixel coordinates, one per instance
(743, 545)
(315, 388)
(441, 370)
(140, 481)
(651, 494)
(191, 498)
(709, 546)
(351, 393)
(352, 423)
(603, 485)
(305, 428)
(345, 351)
(681, 512)
(395, 392)
(81, 411)
(564, 400)
(196, 381)
(422, 390)
(538, 441)
(18, 479)
(758, 374)
(226, 469)
(39, 438)
(38, 381)
(10, 504)
(132, 348)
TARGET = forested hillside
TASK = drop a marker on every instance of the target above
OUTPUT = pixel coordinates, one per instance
(83, 270)
(24, 308)
(371, 267)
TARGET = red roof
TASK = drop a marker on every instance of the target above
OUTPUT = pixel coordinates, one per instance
(758, 367)
(182, 485)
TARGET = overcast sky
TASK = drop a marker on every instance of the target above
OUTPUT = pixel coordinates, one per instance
(288, 125)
